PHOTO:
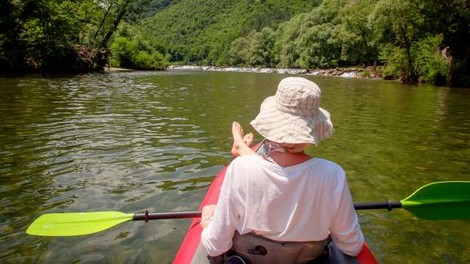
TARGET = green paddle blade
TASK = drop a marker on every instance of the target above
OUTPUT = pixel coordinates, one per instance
(75, 224)
(440, 201)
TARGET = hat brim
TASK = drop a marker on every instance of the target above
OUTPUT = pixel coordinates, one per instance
(284, 127)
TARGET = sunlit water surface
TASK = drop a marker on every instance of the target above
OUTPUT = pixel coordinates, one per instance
(154, 141)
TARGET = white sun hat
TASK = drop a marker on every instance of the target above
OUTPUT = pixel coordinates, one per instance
(293, 114)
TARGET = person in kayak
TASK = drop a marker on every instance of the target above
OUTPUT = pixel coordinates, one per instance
(281, 206)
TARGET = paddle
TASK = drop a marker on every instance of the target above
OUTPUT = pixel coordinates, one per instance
(76, 224)
(434, 201)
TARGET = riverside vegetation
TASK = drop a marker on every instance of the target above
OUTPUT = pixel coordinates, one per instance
(411, 40)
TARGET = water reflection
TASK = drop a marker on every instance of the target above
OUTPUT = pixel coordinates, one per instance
(154, 141)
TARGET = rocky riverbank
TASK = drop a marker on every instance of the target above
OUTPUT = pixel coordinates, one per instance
(362, 73)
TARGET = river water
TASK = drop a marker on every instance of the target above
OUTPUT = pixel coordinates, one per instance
(154, 141)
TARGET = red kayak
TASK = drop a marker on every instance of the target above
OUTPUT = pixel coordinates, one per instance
(186, 253)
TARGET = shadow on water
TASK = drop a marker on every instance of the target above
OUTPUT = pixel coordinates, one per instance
(154, 141)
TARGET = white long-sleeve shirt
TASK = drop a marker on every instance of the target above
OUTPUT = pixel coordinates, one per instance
(304, 202)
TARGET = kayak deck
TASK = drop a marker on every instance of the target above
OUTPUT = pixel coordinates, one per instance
(189, 247)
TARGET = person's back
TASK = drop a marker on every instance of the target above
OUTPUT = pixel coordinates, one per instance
(284, 199)
(303, 202)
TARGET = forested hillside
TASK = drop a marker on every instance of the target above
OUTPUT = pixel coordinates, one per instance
(201, 31)
(197, 31)
(413, 40)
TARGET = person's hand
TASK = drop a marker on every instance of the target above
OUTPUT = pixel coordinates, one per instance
(207, 214)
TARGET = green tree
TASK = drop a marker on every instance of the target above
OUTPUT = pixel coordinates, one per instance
(262, 48)
(430, 64)
(355, 34)
(423, 40)
(132, 50)
(239, 52)
(309, 40)
(398, 23)
(318, 47)
(286, 52)
(254, 50)
(57, 35)
(41, 35)
(449, 19)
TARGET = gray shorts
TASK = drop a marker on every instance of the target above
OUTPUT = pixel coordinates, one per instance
(255, 249)
(260, 250)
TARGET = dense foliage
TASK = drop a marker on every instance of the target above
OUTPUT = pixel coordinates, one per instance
(414, 40)
(60, 35)
(130, 50)
(201, 31)
(41, 34)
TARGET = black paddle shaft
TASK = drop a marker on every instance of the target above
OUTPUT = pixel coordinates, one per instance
(170, 215)
(389, 205)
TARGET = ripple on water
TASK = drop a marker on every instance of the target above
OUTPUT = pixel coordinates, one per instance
(154, 141)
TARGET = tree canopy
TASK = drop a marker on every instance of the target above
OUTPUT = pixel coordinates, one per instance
(59, 35)
(413, 40)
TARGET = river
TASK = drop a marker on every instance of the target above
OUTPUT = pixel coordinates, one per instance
(136, 141)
